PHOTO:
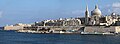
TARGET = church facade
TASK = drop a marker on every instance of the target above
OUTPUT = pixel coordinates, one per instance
(98, 23)
(96, 18)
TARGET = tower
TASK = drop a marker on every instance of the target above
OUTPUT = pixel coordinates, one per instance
(86, 16)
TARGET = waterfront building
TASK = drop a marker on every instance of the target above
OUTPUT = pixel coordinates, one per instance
(16, 26)
(72, 22)
(60, 22)
(102, 24)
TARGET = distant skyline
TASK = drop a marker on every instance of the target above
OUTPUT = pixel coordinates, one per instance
(30, 11)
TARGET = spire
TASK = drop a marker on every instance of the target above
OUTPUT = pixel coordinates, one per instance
(87, 11)
(96, 6)
(86, 15)
(86, 7)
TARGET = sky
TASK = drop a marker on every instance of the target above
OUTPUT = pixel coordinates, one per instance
(30, 11)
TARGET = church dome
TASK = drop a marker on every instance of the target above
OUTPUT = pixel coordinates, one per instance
(96, 11)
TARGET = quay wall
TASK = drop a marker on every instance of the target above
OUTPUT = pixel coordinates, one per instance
(102, 29)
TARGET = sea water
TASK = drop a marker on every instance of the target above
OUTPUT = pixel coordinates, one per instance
(12, 37)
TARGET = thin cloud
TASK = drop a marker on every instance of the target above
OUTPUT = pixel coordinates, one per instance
(116, 5)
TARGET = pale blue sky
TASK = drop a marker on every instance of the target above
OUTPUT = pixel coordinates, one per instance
(29, 11)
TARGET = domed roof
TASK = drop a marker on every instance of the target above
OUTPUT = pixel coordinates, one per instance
(96, 11)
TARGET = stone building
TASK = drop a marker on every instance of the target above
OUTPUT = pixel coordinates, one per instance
(95, 16)
(60, 22)
(100, 23)
(16, 26)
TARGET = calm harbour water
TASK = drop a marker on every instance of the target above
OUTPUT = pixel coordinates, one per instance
(11, 37)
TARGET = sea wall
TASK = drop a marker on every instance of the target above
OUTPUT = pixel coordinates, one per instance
(102, 29)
